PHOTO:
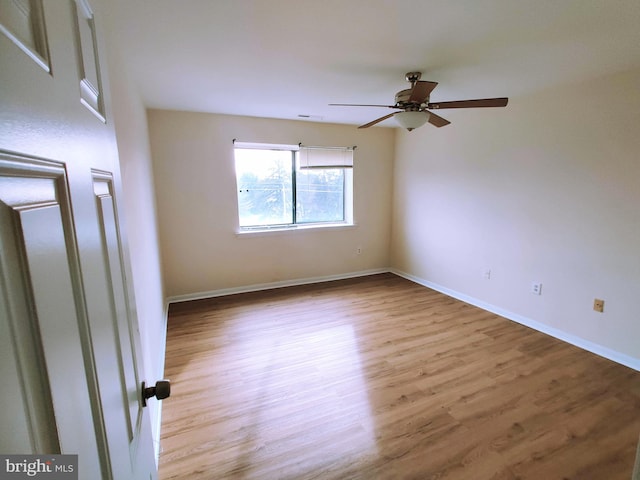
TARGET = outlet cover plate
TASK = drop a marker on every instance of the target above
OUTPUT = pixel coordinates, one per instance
(598, 305)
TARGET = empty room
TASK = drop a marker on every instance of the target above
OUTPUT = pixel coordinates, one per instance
(357, 239)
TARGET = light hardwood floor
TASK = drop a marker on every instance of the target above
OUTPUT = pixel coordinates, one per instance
(381, 378)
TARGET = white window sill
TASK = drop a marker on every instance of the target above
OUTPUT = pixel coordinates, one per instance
(260, 232)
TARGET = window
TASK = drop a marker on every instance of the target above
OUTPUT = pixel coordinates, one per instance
(281, 186)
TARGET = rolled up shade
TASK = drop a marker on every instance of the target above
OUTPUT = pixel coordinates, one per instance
(326, 157)
(264, 146)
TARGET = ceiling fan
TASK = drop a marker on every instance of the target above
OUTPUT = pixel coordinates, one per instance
(414, 105)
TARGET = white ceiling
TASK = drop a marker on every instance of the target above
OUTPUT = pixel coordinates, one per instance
(284, 58)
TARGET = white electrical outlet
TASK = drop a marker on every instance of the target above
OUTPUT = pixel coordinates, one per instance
(487, 274)
(358, 250)
(536, 288)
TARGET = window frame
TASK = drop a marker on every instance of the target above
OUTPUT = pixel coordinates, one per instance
(295, 167)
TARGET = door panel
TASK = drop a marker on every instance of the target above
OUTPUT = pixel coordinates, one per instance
(45, 251)
(128, 382)
(89, 72)
(22, 21)
(37, 247)
(21, 365)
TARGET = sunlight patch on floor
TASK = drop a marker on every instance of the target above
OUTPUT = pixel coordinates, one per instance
(302, 388)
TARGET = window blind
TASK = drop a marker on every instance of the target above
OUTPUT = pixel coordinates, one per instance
(326, 157)
(264, 146)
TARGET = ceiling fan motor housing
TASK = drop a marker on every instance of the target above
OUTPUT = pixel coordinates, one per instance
(402, 100)
(403, 96)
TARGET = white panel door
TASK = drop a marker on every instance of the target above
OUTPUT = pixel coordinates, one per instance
(68, 334)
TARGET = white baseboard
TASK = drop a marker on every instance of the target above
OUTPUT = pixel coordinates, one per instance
(269, 286)
(605, 352)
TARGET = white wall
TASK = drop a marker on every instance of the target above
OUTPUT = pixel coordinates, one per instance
(139, 213)
(544, 190)
(197, 204)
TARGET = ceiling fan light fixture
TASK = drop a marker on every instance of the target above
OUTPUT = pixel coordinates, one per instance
(411, 120)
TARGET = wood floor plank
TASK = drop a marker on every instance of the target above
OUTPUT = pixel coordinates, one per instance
(381, 378)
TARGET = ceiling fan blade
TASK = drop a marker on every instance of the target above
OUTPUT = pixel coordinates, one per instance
(377, 120)
(484, 102)
(421, 91)
(357, 105)
(437, 120)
